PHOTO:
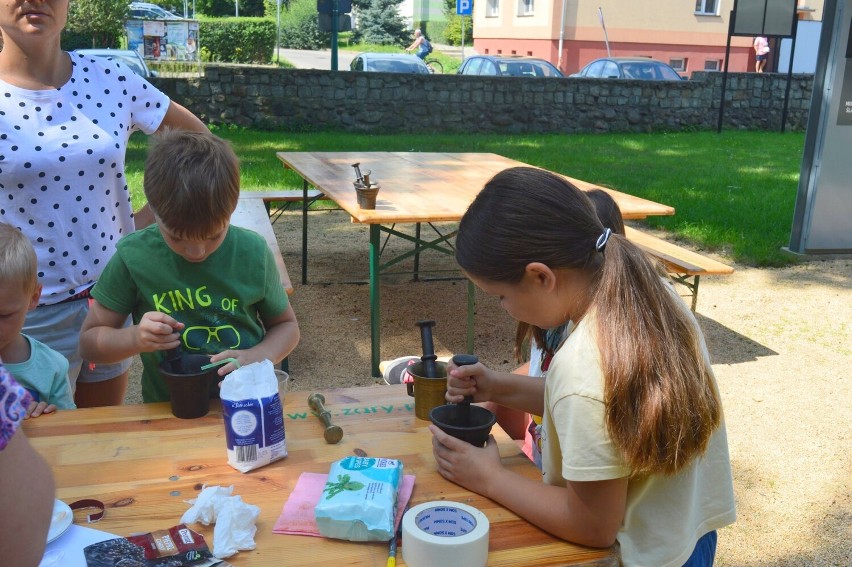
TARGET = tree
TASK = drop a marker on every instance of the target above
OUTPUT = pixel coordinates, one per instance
(102, 20)
(379, 22)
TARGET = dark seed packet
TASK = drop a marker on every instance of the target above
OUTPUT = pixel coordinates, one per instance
(177, 546)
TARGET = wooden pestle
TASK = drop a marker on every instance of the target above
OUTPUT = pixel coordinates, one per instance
(333, 433)
(464, 406)
(430, 369)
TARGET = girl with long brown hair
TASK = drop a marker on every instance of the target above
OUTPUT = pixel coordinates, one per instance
(633, 440)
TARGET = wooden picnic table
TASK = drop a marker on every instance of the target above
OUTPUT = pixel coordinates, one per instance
(143, 463)
(416, 187)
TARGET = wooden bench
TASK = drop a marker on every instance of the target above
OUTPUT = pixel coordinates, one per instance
(685, 266)
(285, 197)
(251, 214)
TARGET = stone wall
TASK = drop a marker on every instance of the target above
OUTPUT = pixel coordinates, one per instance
(310, 100)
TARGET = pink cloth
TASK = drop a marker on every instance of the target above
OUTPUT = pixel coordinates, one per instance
(297, 517)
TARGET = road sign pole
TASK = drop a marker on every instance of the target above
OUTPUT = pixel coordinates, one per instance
(335, 14)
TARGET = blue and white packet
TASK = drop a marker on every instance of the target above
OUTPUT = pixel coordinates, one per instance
(254, 416)
(359, 500)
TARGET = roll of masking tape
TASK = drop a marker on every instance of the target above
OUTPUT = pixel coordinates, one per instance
(444, 533)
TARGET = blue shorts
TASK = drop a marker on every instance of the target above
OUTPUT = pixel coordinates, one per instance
(761, 57)
(58, 326)
(705, 551)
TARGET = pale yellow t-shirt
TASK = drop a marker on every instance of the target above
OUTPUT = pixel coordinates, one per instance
(665, 516)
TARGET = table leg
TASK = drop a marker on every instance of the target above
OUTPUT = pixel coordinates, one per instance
(304, 232)
(417, 252)
(470, 309)
(375, 310)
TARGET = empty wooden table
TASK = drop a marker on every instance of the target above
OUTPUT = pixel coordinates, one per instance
(415, 188)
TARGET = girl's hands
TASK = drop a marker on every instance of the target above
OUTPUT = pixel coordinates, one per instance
(38, 408)
(460, 462)
(157, 331)
(471, 380)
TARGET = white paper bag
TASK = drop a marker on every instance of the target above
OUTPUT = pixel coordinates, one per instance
(254, 417)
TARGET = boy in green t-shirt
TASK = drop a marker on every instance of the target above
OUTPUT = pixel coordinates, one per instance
(190, 280)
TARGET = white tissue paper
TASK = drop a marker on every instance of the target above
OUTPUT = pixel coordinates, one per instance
(235, 520)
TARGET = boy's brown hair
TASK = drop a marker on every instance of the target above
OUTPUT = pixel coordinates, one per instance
(192, 182)
(18, 262)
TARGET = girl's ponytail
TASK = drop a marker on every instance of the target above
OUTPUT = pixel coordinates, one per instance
(661, 401)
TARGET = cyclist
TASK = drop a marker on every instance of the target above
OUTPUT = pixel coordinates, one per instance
(421, 44)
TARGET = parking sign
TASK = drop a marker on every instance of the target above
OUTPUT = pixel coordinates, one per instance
(464, 7)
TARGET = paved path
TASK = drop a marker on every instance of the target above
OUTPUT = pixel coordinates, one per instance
(304, 59)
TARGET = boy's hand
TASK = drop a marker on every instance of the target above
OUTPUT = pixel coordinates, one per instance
(243, 357)
(38, 408)
(157, 331)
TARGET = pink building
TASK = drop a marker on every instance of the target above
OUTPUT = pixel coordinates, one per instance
(690, 35)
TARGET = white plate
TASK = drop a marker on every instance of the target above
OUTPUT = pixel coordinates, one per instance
(62, 519)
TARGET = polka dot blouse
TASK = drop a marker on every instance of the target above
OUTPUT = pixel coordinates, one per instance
(62, 179)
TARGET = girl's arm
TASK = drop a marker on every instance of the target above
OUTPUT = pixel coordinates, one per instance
(282, 336)
(525, 393)
(587, 513)
(104, 339)
(28, 489)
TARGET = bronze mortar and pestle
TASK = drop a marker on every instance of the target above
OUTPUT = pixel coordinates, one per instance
(366, 190)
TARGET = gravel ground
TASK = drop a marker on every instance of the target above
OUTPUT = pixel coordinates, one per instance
(779, 338)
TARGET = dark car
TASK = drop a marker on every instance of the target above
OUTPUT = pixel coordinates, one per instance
(389, 63)
(490, 65)
(124, 56)
(642, 68)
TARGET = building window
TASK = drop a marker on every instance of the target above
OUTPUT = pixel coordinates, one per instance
(707, 7)
(492, 9)
(712, 64)
(526, 7)
(679, 64)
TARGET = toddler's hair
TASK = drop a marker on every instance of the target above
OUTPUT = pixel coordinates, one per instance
(192, 182)
(661, 401)
(18, 262)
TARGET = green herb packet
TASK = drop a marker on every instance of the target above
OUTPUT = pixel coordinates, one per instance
(359, 499)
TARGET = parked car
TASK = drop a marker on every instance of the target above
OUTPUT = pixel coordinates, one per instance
(642, 68)
(124, 56)
(389, 63)
(148, 11)
(508, 67)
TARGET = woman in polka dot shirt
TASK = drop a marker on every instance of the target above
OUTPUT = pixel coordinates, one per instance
(65, 119)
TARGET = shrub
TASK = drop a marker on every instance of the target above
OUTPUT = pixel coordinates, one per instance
(452, 31)
(299, 27)
(101, 20)
(237, 40)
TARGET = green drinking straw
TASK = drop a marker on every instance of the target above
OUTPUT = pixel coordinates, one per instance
(220, 363)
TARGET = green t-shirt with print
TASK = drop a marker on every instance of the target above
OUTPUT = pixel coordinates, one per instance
(220, 301)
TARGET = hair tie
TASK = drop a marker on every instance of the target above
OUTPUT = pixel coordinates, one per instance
(603, 239)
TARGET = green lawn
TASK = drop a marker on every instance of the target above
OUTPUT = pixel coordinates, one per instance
(734, 192)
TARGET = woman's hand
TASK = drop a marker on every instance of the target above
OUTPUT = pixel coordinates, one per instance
(157, 331)
(470, 380)
(460, 462)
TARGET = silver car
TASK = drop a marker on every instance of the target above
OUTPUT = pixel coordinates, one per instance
(389, 63)
(124, 56)
(641, 68)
